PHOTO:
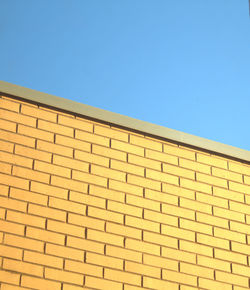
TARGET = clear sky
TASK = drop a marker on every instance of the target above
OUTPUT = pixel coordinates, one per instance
(182, 64)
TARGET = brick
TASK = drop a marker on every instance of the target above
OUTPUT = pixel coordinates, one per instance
(210, 284)
(24, 242)
(10, 252)
(2, 216)
(14, 181)
(9, 105)
(159, 284)
(213, 263)
(92, 138)
(239, 187)
(163, 177)
(80, 267)
(207, 159)
(144, 182)
(196, 270)
(108, 173)
(37, 283)
(15, 138)
(10, 227)
(196, 248)
(105, 261)
(130, 287)
(145, 162)
(241, 270)
(52, 169)
(142, 202)
(163, 157)
(212, 241)
(178, 233)
(175, 170)
(194, 166)
(72, 287)
(102, 284)
(239, 207)
(86, 221)
(194, 185)
(178, 255)
(47, 212)
(211, 180)
(22, 267)
(64, 252)
(33, 153)
(108, 152)
(92, 158)
(75, 123)
(226, 174)
(72, 143)
(8, 126)
(229, 214)
(160, 196)
(124, 187)
(18, 118)
(36, 133)
(105, 237)
(126, 167)
(180, 152)
(142, 269)
(67, 205)
(178, 211)
(38, 113)
(43, 259)
(70, 163)
(123, 230)
(105, 214)
(178, 191)
(241, 248)
(247, 180)
(63, 276)
(30, 174)
(142, 224)
(89, 178)
(160, 262)
(142, 246)
(179, 277)
(125, 147)
(124, 208)
(4, 190)
(87, 199)
(240, 168)
(234, 279)
(196, 226)
(124, 253)
(69, 183)
(212, 220)
(112, 133)
(66, 228)
(13, 204)
(28, 196)
(80, 243)
(211, 199)
(160, 239)
(7, 146)
(230, 256)
(147, 143)
(106, 193)
(5, 168)
(49, 190)
(25, 219)
(229, 235)
(12, 287)
(56, 128)
(194, 205)
(54, 148)
(9, 277)
(120, 276)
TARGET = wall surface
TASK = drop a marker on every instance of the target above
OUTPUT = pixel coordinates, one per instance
(87, 205)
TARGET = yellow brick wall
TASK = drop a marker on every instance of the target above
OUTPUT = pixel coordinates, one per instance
(87, 205)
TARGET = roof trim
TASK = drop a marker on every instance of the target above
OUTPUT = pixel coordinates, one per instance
(123, 121)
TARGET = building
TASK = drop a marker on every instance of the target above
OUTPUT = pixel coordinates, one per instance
(91, 199)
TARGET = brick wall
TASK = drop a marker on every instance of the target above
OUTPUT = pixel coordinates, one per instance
(87, 205)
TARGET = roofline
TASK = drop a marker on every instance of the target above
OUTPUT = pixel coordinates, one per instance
(123, 121)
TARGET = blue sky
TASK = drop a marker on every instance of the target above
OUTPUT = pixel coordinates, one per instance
(181, 64)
